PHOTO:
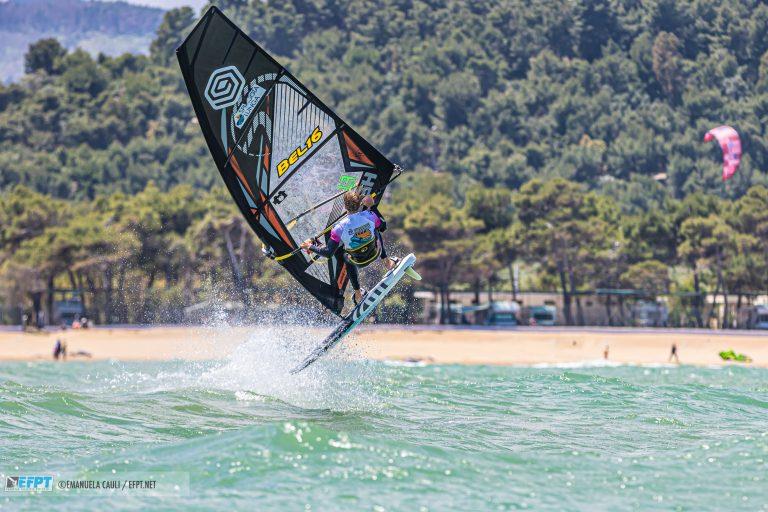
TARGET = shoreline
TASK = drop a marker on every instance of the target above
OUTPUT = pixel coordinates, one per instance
(520, 346)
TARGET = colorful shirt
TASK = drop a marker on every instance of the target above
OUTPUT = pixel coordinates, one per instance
(356, 230)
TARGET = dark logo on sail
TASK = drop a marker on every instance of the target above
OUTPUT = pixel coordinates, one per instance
(280, 197)
(224, 87)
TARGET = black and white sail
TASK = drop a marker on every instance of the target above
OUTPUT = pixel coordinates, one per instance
(279, 149)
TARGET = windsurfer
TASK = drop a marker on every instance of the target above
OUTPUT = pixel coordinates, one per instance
(359, 233)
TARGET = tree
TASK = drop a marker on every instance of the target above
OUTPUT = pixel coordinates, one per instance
(599, 24)
(493, 206)
(485, 263)
(708, 244)
(21, 283)
(667, 65)
(44, 55)
(25, 214)
(170, 34)
(442, 236)
(651, 276)
(750, 214)
(457, 96)
(569, 231)
(763, 73)
(222, 239)
(493, 251)
(651, 236)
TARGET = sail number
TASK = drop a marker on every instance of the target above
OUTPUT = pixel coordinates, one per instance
(297, 153)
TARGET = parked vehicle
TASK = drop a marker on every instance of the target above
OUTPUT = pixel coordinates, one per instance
(503, 313)
(540, 315)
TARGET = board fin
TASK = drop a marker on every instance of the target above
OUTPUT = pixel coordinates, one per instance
(410, 272)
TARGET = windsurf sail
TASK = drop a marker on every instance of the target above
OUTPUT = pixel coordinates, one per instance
(283, 154)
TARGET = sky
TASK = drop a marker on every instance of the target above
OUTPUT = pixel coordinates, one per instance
(170, 4)
(165, 4)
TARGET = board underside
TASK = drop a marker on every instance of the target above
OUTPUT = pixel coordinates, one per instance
(360, 312)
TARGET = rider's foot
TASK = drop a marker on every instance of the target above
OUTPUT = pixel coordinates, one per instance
(390, 263)
(357, 297)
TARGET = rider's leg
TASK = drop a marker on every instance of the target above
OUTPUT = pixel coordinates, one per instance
(354, 278)
(388, 262)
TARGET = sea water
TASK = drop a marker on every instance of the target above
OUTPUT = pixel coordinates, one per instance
(242, 434)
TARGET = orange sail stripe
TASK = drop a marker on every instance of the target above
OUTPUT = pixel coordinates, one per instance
(273, 220)
(236, 167)
(354, 152)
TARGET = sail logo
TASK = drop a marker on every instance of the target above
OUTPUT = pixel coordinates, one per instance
(244, 110)
(367, 181)
(224, 87)
(300, 151)
(260, 121)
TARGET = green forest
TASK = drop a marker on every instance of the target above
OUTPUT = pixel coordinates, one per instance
(565, 137)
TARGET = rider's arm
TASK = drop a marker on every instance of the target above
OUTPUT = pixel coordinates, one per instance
(327, 251)
(334, 241)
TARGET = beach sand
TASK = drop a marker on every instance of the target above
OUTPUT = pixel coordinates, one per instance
(522, 346)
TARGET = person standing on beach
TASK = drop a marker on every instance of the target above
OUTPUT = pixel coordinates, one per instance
(60, 350)
(673, 353)
(605, 353)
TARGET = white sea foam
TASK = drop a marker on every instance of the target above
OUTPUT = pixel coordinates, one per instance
(600, 363)
(261, 365)
(406, 364)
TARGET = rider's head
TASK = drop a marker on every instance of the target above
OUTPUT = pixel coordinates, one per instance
(352, 201)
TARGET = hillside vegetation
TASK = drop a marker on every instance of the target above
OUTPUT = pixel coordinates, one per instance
(563, 136)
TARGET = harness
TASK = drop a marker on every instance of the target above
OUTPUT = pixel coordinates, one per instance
(363, 255)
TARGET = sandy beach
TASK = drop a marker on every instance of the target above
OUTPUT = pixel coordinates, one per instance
(522, 346)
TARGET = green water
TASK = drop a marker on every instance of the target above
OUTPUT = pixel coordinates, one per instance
(371, 436)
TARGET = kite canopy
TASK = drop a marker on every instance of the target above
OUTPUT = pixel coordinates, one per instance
(284, 155)
(730, 143)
